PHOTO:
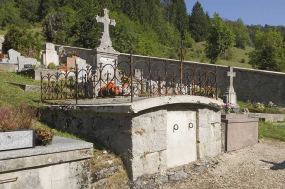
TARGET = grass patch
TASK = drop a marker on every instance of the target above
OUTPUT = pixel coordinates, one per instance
(269, 130)
(11, 95)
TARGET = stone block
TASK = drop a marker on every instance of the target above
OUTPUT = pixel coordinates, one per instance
(10, 140)
(241, 132)
(151, 163)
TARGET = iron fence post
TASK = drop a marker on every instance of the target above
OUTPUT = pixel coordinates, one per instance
(132, 75)
(41, 87)
(76, 83)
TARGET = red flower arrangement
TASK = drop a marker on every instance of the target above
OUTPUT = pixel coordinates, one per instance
(43, 137)
(1, 55)
(109, 90)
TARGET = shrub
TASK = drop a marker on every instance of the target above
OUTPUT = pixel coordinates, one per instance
(27, 43)
(242, 60)
(14, 118)
(51, 66)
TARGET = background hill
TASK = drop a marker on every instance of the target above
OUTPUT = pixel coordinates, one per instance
(150, 27)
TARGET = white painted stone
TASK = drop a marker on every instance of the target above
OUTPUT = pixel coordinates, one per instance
(2, 39)
(13, 56)
(50, 55)
(181, 138)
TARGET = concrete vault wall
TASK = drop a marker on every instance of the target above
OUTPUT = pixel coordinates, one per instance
(143, 132)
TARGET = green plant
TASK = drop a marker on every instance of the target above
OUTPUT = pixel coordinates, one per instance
(73, 53)
(219, 40)
(242, 60)
(51, 66)
(26, 42)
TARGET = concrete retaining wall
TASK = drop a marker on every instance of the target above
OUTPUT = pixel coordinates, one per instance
(249, 84)
(7, 67)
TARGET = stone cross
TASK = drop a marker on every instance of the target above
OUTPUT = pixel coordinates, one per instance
(231, 74)
(105, 43)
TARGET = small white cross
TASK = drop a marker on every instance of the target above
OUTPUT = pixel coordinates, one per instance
(231, 74)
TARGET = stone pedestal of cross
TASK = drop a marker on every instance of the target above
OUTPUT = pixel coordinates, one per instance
(230, 95)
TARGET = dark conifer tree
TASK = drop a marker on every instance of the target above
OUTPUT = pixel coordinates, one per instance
(198, 23)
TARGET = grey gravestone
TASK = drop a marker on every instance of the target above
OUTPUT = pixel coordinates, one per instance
(13, 56)
(230, 95)
(81, 63)
(21, 63)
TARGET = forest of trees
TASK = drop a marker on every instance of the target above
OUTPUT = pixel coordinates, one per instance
(146, 27)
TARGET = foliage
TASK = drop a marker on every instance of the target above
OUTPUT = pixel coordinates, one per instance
(73, 53)
(15, 118)
(242, 60)
(269, 51)
(219, 40)
(27, 43)
(51, 66)
(269, 130)
(54, 28)
(199, 23)
(241, 34)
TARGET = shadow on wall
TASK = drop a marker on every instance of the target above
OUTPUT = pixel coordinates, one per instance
(276, 166)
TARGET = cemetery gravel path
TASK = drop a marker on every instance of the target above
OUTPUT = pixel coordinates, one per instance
(260, 166)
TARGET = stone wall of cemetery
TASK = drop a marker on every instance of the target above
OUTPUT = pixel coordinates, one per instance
(139, 132)
(8, 67)
(249, 84)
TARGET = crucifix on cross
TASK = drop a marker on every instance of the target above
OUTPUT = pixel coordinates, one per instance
(105, 42)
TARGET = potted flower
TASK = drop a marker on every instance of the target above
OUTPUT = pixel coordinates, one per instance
(1, 56)
(16, 128)
(73, 54)
(125, 81)
(44, 137)
(109, 90)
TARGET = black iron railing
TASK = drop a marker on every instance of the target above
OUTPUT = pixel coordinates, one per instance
(134, 78)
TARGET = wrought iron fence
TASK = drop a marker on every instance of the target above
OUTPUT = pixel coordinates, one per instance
(134, 78)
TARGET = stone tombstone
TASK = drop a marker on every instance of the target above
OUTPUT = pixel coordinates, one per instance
(230, 94)
(2, 39)
(21, 63)
(81, 63)
(50, 55)
(13, 56)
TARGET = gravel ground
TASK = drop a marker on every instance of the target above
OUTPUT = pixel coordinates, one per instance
(260, 166)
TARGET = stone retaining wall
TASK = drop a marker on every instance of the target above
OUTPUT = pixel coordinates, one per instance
(249, 84)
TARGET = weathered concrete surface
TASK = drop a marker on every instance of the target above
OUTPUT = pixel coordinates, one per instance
(28, 88)
(137, 131)
(65, 164)
(268, 117)
(7, 67)
(240, 131)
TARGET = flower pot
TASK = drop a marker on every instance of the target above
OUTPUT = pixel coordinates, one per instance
(11, 140)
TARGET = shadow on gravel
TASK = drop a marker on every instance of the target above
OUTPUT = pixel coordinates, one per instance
(276, 166)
